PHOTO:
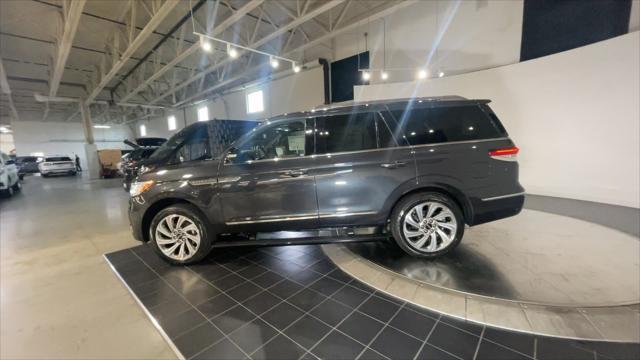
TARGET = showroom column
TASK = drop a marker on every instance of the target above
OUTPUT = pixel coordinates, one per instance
(90, 148)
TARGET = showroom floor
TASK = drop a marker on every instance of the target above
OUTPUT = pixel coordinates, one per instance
(61, 299)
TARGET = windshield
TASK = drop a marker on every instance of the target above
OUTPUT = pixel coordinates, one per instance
(176, 140)
(58, 158)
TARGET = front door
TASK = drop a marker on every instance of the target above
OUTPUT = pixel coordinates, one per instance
(265, 183)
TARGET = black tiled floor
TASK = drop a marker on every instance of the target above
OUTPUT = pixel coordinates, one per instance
(271, 303)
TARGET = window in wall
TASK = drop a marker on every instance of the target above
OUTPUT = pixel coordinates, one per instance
(255, 102)
(143, 130)
(444, 124)
(195, 147)
(203, 113)
(281, 140)
(171, 120)
(348, 132)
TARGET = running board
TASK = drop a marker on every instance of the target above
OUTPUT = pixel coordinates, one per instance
(299, 241)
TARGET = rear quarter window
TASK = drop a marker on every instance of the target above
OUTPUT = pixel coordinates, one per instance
(59, 158)
(446, 124)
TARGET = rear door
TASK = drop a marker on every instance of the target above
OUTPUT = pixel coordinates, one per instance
(265, 181)
(358, 166)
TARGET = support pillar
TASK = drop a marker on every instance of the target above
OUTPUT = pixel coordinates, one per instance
(90, 148)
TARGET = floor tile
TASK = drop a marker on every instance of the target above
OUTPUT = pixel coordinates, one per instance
(242, 292)
(233, 319)
(253, 335)
(305, 277)
(252, 271)
(267, 279)
(326, 286)
(176, 325)
(215, 273)
(279, 348)
(462, 325)
(340, 276)
(216, 305)
(361, 327)
(331, 312)
(282, 315)
(613, 351)
(491, 351)
(371, 355)
(549, 348)
(169, 308)
(197, 339)
(261, 302)
(454, 341)
(430, 352)
(307, 331)
(200, 294)
(350, 296)
(378, 308)
(337, 346)
(306, 299)
(394, 344)
(228, 282)
(413, 323)
(285, 289)
(323, 266)
(521, 342)
(223, 350)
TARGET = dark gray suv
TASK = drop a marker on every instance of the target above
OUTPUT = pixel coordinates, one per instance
(416, 169)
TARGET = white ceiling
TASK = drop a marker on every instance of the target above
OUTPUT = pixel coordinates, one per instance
(29, 30)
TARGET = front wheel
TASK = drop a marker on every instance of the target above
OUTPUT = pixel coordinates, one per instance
(427, 225)
(179, 234)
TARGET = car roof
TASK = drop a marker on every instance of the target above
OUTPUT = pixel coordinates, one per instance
(377, 105)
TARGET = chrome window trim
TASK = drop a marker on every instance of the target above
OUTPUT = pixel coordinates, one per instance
(503, 196)
(371, 150)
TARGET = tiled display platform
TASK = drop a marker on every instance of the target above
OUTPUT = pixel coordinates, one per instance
(294, 303)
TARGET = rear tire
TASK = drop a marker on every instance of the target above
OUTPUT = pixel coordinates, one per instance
(427, 225)
(179, 235)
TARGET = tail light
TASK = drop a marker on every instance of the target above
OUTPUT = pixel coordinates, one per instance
(505, 154)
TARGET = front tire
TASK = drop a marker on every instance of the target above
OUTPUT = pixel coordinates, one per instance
(179, 234)
(427, 225)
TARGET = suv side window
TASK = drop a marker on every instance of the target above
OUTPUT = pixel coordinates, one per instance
(281, 140)
(348, 132)
(445, 124)
(195, 147)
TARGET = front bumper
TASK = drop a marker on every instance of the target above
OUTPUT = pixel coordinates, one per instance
(136, 216)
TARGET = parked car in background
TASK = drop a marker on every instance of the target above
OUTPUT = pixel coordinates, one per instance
(27, 165)
(56, 165)
(416, 169)
(9, 179)
(129, 164)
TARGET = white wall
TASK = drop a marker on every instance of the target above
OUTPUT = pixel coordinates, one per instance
(6, 143)
(295, 92)
(475, 35)
(575, 115)
(64, 138)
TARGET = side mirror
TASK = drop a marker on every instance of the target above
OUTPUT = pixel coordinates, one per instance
(230, 155)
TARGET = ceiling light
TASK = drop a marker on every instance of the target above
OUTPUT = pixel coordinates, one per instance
(422, 74)
(206, 45)
(274, 62)
(102, 126)
(232, 52)
(384, 75)
(441, 74)
(296, 68)
(366, 76)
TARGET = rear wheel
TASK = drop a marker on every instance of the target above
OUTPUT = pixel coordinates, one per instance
(179, 234)
(427, 224)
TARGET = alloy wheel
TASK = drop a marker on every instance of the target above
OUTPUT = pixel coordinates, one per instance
(177, 237)
(429, 227)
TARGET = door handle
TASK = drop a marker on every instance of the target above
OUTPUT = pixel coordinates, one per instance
(295, 173)
(393, 165)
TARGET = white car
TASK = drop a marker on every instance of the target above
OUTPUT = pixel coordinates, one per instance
(57, 164)
(9, 180)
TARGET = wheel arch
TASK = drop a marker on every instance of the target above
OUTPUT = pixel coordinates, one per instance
(155, 208)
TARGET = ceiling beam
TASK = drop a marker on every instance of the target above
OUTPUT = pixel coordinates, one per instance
(281, 30)
(374, 14)
(71, 21)
(153, 23)
(194, 47)
(6, 89)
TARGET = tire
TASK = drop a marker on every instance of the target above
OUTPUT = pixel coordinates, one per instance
(446, 219)
(8, 192)
(44, 175)
(17, 186)
(171, 216)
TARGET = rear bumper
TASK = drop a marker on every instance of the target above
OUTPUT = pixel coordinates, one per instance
(495, 208)
(58, 171)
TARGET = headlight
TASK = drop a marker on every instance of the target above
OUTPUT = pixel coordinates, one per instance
(138, 188)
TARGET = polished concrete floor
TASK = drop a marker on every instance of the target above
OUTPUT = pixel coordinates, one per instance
(59, 299)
